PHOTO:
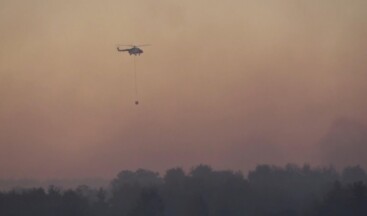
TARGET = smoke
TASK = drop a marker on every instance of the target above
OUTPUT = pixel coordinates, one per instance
(345, 144)
(240, 84)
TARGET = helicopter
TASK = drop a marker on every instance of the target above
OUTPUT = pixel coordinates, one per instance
(134, 50)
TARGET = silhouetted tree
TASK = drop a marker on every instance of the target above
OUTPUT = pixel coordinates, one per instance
(149, 203)
(140, 177)
(343, 200)
(354, 174)
(174, 192)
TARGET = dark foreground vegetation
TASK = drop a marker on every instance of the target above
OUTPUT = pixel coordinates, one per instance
(266, 191)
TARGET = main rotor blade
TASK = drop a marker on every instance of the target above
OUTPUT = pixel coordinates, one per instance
(143, 45)
(118, 45)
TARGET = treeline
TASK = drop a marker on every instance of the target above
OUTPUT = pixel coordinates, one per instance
(266, 191)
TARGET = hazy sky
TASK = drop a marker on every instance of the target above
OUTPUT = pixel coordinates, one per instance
(228, 83)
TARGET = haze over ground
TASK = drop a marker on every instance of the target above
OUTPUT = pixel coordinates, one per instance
(230, 84)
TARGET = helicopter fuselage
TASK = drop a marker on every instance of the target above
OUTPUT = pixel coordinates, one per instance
(132, 51)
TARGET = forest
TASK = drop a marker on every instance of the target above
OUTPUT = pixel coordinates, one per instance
(202, 191)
